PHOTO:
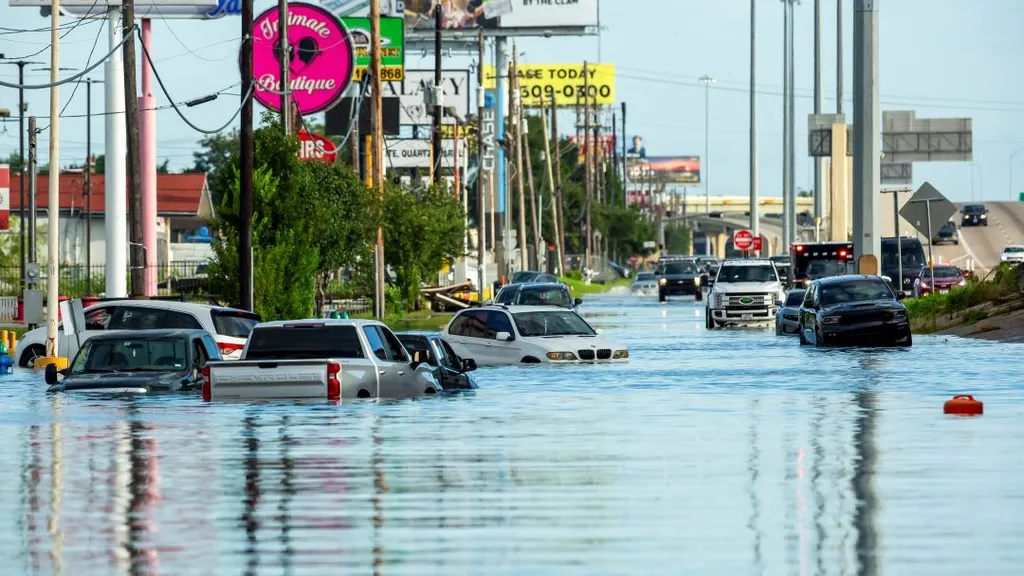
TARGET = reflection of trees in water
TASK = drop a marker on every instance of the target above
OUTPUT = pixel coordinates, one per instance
(863, 489)
(753, 466)
(252, 493)
(145, 493)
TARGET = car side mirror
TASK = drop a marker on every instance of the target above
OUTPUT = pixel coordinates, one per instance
(578, 301)
(468, 364)
(503, 337)
(779, 303)
(51, 374)
(900, 296)
(419, 356)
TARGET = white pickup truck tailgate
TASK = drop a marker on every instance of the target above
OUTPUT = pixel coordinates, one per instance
(255, 379)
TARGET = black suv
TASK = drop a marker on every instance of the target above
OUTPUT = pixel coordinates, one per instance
(974, 215)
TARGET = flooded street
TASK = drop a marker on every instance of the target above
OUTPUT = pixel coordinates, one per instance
(711, 452)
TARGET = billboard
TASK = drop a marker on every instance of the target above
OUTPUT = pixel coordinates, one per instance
(5, 197)
(606, 146)
(392, 47)
(499, 15)
(415, 153)
(539, 82)
(322, 62)
(665, 169)
(412, 90)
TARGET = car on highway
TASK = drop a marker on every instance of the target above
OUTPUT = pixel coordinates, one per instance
(946, 278)
(644, 283)
(679, 278)
(853, 310)
(974, 215)
(1012, 254)
(745, 292)
(948, 234)
(787, 315)
(913, 258)
(537, 294)
(500, 335)
(228, 326)
(137, 362)
(452, 372)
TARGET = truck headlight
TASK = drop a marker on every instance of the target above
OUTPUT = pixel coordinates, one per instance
(561, 356)
(620, 354)
(830, 320)
(696, 281)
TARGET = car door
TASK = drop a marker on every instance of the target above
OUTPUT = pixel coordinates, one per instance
(806, 315)
(447, 374)
(409, 381)
(199, 357)
(448, 356)
(469, 336)
(503, 352)
(97, 320)
(387, 372)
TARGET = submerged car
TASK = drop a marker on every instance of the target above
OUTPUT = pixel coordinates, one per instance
(500, 335)
(679, 278)
(853, 310)
(787, 315)
(137, 362)
(644, 283)
(537, 294)
(452, 372)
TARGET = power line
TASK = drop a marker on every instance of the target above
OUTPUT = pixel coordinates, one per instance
(75, 76)
(74, 90)
(69, 31)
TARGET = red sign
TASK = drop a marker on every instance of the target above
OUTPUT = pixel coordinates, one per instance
(757, 244)
(316, 147)
(5, 197)
(743, 240)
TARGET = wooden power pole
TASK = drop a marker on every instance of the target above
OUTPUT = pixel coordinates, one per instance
(517, 115)
(377, 152)
(587, 173)
(136, 252)
(555, 224)
(558, 183)
(246, 152)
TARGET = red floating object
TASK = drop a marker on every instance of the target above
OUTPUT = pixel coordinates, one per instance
(964, 404)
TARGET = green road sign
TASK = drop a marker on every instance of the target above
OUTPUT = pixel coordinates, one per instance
(392, 46)
(1021, 196)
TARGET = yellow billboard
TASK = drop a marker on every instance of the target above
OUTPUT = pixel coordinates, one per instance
(539, 82)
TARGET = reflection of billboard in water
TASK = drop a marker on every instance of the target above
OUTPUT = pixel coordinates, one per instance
(666, 169)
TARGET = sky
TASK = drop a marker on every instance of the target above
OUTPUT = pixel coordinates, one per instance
(941, 58)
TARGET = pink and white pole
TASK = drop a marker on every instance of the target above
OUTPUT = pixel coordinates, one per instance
(147, 141)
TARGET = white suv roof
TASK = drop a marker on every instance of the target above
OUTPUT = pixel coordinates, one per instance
(748, 262)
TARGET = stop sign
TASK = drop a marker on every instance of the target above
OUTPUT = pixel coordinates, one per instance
(743, 240)
(316, 147)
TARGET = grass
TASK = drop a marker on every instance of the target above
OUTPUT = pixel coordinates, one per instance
(424, 320)
(979, 299)
(579, 288)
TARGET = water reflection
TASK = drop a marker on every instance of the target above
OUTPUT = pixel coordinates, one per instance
(712, 452)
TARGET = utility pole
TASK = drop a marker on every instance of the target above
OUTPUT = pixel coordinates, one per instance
(438, 92)
(247, 146)
(839, 56)
(377, 128)
(286, 60)
(755, 217)
(785, 129)
(708, 81)
(483, 165)
(33, 164)
(615, 158)
(525, 131)
(588, 240)
(555, 224)
(625, 162)
(53, 203)
(866, 132)
(131, 110)
(517, 120)
(819, 209)
(88, 184)
(22, 172)
(791, 144)
(558, 185)
(115, 212)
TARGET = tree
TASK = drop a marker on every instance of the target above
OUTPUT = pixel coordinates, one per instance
(14, 161)
(164, 167)
(218, 160)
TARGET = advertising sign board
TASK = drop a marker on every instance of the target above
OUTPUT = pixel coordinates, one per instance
(415, 153)
(322, 64)
(488, 132)
(392, 46)
(496, 16)
(666, 169)
(5, 197)
(539, 82)
(606, 146)
(411, 91)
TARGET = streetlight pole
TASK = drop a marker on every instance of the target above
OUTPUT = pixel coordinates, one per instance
(1012, 156)
(708, 81)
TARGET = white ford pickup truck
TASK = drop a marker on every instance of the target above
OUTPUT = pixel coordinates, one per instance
(332, 359)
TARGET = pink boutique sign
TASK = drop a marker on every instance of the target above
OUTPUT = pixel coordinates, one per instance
(322, 58)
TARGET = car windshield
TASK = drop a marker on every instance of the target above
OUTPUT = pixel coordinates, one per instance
(854, 291)
(825, 268)
(679, 268)
(944, 272)
(1013, 249)
(234, 323)
(552, 323)
(524, 276)
(795, 298)
(759, 274)
(974, 209)
(948, 227)
(131, 355)
(913, 255)
(555, 296)
(645, 277)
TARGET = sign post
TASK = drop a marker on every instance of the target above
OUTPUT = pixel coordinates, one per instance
(928, 210)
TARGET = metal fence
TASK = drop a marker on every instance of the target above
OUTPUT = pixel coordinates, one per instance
(186, 278)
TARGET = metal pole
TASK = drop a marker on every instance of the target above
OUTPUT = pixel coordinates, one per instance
(500, 65)
(755, 219)
(483, 166)
(33, 164)
(839, 56)
(282, 33)
(587, 156)
(88, 183)
(377, 128)
(896, 232)
(866, 131)
(707, 80)
(558, 185)
(625, 162)
(247, 150)
(819, 201)
(535, 202)
(791, 145)
(931, 261)
(785, 129)
(517, 117)
(115, 213)
(22, 171)
(53, 203)
(435, 137)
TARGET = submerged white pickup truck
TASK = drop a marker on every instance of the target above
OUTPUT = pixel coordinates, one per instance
(332, 359)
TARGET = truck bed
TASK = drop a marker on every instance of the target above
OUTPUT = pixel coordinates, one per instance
(256, 379)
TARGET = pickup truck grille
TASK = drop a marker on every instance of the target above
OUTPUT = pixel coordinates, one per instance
(742, 300)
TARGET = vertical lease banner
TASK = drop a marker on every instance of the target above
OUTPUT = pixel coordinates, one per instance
(5, 197)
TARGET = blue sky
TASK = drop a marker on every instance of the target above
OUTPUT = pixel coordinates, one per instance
(939, 57)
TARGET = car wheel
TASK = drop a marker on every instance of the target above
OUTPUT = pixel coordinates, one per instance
(709, 323)
(28, 358)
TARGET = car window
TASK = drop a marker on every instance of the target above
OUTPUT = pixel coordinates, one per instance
(507, 295)
(99, 318)
(395, 348)
(129, 354)
(199, 354)
(498, 322)
(946, 272)
(411, 342)
(450, 354)
(553, 296)
(437, 354)
(557, 323)
(759, 274)
(524, 276)
(795, 298)
(1013, 249)
(855, 291)
(234, 323)
(183, 320)
(809, 297)
(212, 351)
(679, 268)
(645, 276)
(376, 342)
(470, 324)
(132, 318)
(545, 278)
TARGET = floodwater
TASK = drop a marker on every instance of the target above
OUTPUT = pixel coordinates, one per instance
(723, 452)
